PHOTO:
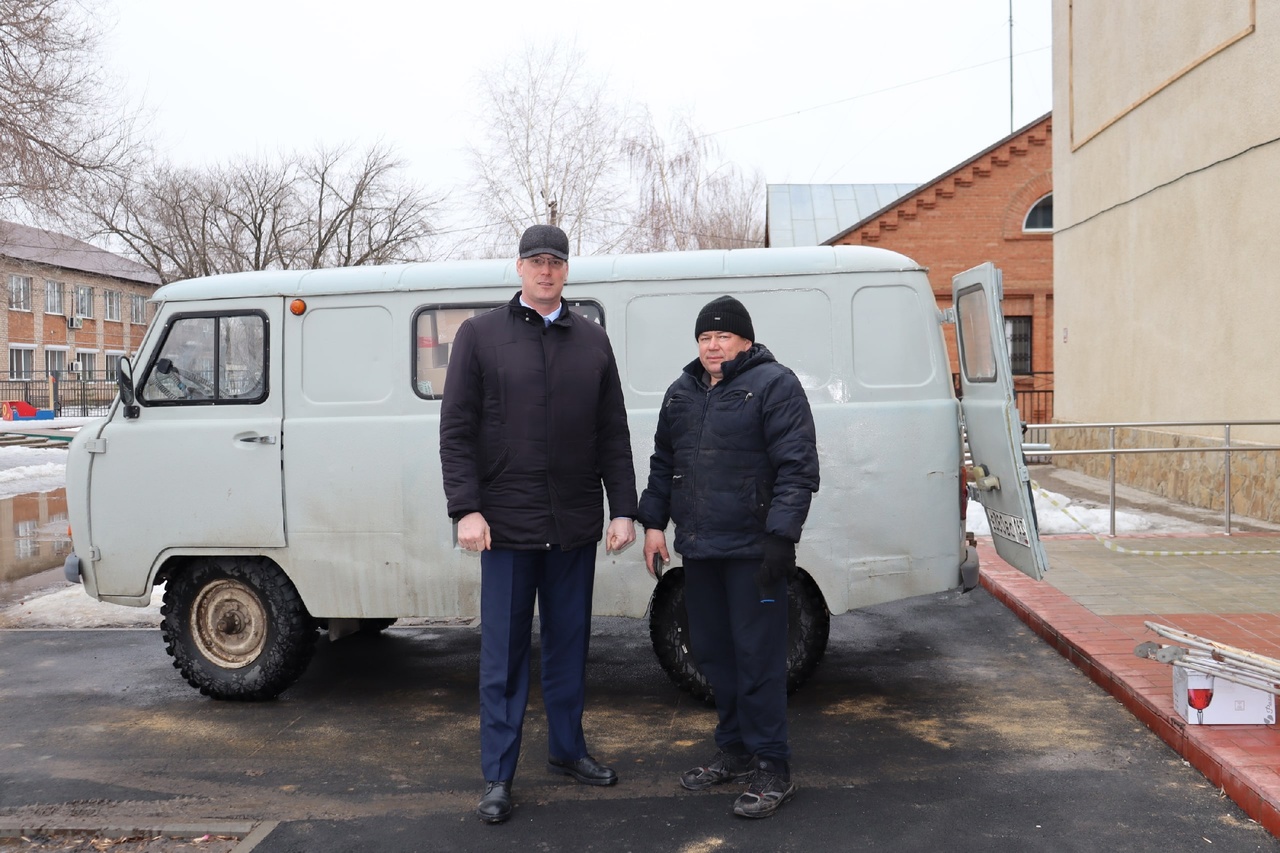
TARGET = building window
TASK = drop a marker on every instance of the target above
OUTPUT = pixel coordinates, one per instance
(88, 362)
(54, 297)
(137, 309)
(84, 300)
(1017, 332)
(111, 305)
(21, 363)
(113, 364)
(1040, 216)
(20, 292)
(55, 360)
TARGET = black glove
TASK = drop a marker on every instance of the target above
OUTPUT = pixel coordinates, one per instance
(779, 562)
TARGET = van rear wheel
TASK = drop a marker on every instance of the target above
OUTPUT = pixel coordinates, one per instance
(236, 628)
(808, 627)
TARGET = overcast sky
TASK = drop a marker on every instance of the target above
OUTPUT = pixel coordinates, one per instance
(807, 91)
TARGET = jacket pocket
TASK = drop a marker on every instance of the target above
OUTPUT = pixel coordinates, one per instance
(762, 498)
(679, 500)
(497, 466)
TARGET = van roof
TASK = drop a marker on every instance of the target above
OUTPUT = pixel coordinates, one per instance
(585, 269)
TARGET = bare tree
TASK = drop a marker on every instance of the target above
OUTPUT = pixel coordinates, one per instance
(550, 152)
(686, 200)
(556, 149)
(325, 208)
(361, 213)
(56, 113)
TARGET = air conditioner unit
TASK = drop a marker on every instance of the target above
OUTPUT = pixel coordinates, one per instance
(75, 322)
(74, 367)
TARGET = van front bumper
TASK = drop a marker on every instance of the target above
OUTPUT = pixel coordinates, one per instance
(71, 568)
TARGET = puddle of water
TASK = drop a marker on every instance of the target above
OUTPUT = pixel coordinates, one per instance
(33, 543)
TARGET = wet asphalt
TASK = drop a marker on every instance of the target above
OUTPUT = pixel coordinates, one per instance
(934, 723)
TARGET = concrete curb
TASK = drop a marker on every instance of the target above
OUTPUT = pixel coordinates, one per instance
(249, 833)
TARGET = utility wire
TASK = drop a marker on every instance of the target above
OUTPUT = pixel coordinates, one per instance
(875, 92)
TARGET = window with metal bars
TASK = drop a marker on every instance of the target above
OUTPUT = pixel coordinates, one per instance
(1017, 332)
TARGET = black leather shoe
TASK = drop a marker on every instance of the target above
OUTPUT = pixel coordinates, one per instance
(586, 770)
(495, 805)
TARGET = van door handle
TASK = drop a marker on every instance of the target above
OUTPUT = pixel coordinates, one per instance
(260, 439)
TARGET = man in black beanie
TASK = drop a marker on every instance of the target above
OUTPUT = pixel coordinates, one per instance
(735, 466)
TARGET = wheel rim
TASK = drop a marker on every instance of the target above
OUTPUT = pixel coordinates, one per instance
(230, 624)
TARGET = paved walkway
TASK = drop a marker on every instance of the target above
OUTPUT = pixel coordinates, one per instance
(1092, 608)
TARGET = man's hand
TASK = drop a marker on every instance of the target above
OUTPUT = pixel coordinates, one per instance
(655, 542)
(473, 532)
(621, 533)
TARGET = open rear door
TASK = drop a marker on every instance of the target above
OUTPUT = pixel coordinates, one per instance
(994, 429)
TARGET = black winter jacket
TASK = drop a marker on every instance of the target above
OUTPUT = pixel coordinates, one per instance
(532, 421)
(732, 461)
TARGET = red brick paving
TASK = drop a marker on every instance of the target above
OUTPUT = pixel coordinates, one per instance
(1244, 761)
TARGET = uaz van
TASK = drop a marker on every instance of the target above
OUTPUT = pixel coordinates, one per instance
(273, 456)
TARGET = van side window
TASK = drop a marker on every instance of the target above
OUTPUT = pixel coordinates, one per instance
(435, 328)
(209, 360)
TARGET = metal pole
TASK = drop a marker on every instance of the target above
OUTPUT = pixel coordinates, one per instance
(1011, 128)
(1226, 503)
(1112, 478)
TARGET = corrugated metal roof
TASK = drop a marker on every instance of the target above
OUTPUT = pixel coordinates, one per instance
(36, 245)
(811, 214)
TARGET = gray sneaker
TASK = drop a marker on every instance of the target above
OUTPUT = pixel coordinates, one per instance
(725, 767)
(769, 788)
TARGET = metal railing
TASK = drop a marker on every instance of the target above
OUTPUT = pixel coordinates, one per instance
(1227, 448)
(68, 394)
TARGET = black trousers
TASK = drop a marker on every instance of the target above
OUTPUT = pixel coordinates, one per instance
(740, 645)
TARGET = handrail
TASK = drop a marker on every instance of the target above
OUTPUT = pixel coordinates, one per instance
(1154, 424)
(1113, 451)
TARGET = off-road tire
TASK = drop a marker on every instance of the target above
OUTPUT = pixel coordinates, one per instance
(236, 627)
(808, 626)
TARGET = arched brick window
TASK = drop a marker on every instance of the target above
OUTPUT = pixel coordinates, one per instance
(1040, 216)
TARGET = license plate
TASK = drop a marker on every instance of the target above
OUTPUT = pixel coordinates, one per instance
(1011, 527)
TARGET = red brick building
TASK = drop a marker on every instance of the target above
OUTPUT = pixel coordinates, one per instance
(996, 206)
(74, 309)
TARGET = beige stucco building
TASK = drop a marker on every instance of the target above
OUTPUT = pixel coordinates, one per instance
(1166, 266)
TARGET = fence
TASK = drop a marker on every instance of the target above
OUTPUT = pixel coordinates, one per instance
(1226, 448)
(83, 394)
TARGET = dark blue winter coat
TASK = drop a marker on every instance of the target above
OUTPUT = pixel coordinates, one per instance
(732, 461)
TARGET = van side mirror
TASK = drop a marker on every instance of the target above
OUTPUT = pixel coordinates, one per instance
(124, 380)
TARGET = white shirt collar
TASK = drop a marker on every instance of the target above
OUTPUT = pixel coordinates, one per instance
(547, 319)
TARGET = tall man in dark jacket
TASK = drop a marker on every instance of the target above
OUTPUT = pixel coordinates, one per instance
(532, 422)
(735, 466)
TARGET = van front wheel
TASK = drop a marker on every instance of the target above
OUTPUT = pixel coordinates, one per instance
(808, 627)
(236, 628)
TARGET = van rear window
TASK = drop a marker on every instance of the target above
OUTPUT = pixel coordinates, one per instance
(435, 328)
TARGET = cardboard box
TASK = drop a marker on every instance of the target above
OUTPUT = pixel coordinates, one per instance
(1228, 703)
